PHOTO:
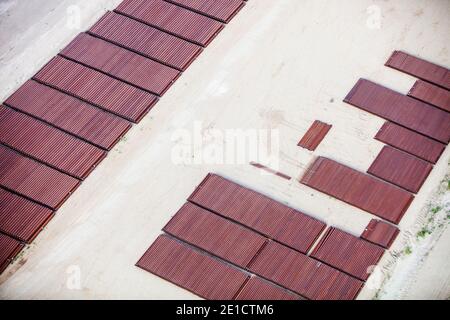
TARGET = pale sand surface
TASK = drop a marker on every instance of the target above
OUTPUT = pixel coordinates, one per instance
(278, 64)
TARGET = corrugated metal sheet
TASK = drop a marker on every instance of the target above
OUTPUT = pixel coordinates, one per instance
(34, 180)
(259, 289)
(146, 40)
(21, 218)
(9, 248)
(420, 68)
(304, 275)
(214, 234)
(411, 142)
(97, 88)
(380, 233)
(69, 114)
(403, 110)
(48, 144)
(348, 253)
(173, 19)
(401, 169)
(431, 94)
(121, 63)
(358, 189)
(222, 10)
(192, 270)
(314, 136)
(270, 170)
(258, 212)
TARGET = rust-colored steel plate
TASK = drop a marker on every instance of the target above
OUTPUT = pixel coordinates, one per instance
(34, 180)
(97, 88)
(21, 218)
(214, 234)
(222, 10)
(9, 248)
(314, 136)
(411, 142)
(403, 110)
(121, 63)
(420, 68)
(260, 213)
(431, 94)
(358, 189)
(69, 114)
(348, 253)
(304, 275)
(172, 19)
(401, 169)
(145, 40)
(192, 270)
(47, 144)
(380, 233)
(260, 289)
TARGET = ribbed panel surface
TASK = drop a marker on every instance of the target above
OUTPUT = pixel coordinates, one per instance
(222, 10)
(9, 248)
(431, 94)
(380, 233)
(314, 136)
(259, 289)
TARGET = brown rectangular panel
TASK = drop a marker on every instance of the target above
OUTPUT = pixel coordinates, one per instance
(173, 19)
(304, 275)
(192, 270)
(431, 94)
(145, 40)
(348, 253)
(380, 233)
(420, 68)
(214, 234)
(258, 212)
(222, 10)
(9, 248)
(401, 169)
(34, 180)
(96, 88)
(411, 142)
(21, 218)
(358, 189)
(314, 136)
(121, 63)
(260, 289)
(69, 114)
(47, 144)
(403, 110)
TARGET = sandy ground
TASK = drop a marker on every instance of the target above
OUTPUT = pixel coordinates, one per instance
(278, 65)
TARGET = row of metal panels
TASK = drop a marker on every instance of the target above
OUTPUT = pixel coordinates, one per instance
(380, 233)
(258, 212)
(314, 136)
(358, 189)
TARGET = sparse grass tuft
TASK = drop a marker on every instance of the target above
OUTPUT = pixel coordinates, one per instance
(408, 250)
(423, 233)
(436, 209)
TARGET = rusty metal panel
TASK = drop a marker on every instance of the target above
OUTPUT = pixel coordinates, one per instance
(48, 144)
(222, 10)
(380, 233)
(214, 234)
(420, 68)
(403, 110)
(358, 189)
(258, 212)
(9, 248)
(431, 94)
(260, 289)
(400, 168)
(173, 19)
(314, 136)
(411, 142)
(348, 253)
(192, 270)
(96, 88)
(145, 40)
(121, 63)
(20, 218)
(304, 275)
(34, 180)
(69, 114)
